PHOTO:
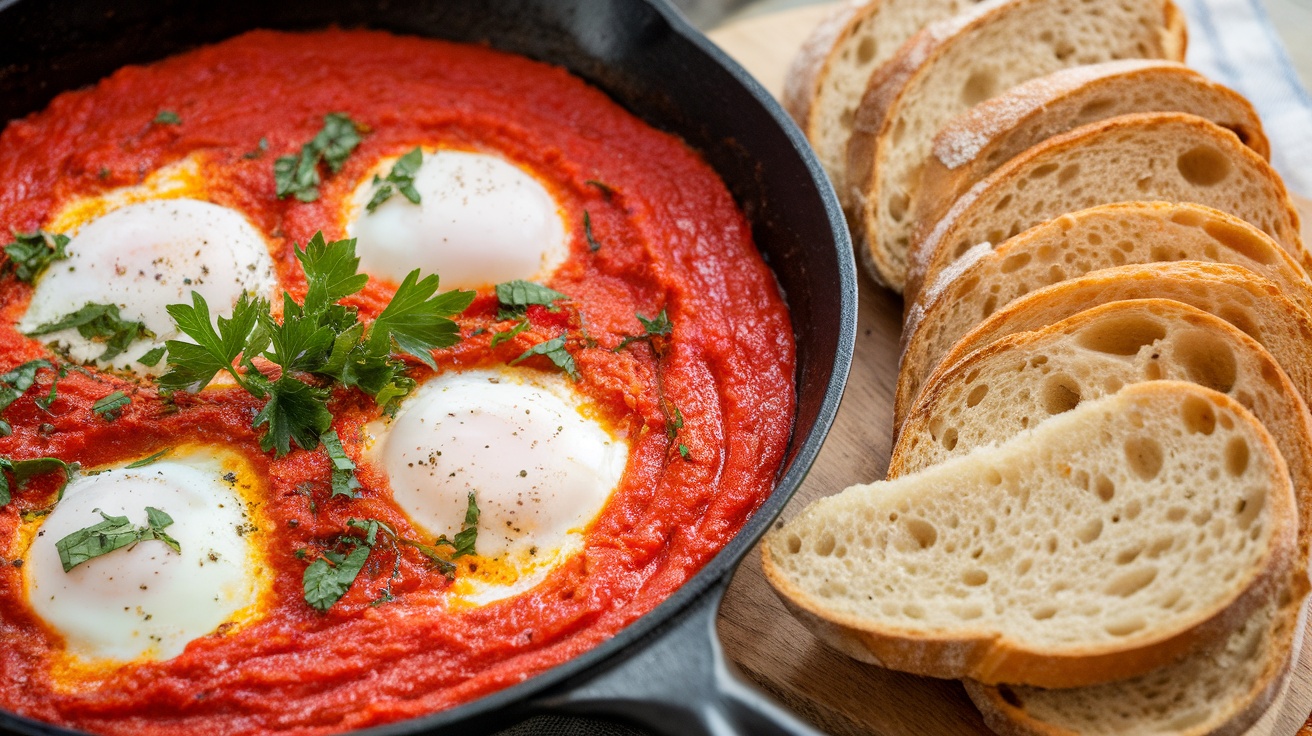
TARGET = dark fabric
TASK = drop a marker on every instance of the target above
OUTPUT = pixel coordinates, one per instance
(562, 726)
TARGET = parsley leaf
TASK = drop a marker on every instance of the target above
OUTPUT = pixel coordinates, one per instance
(295, 412)
(22, 470)
(153, 356)
(516, 296)
(417, 321)
(114, 532)
(143, 462)
(401, 178)
(658, 326)
(14, 384)
(31, 253)
(328, 578)
(673, 423)
(299, 175)
(555, 351)
(111, 406)
(102, 323)
(500, 337)
(468, 534)
(167, 117)
(193, 365)
(331, 272)
(684, 451)
(344, 481)
(593, 245)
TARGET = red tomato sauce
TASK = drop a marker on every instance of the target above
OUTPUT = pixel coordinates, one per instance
(672, 238)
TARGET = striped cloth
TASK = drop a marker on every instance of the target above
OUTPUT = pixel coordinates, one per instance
(1233, 42)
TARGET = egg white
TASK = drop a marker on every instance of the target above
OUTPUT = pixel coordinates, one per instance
(481, 220)
(145, 247)
(146, 601)
(522, 441)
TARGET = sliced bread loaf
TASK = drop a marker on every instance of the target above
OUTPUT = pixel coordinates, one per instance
(1068, 554)
(954, 64)
(975, 143)
(829, 73)
(1245, 300)
(1214, 692)
(1147, 156)
(1071, 246)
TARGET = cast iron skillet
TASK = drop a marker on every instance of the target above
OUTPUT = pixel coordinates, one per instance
(666, 671)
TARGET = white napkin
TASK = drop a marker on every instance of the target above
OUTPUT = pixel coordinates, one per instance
(1233, 42)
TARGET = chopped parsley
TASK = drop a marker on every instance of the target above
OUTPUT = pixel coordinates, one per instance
(658, 326)
(114, 532)
(328, 578)
(298, 175)
(167, 117)
(606, 190)
(515, 297)
(143, 462)
(318, 337)
(468, 534)
(101, 323)
(400, 179)
(554, 350)
(152, 357)
(15, 383)
(30, 254)
(23, 470)
(344, 481)
(259, 151)
(593, 245)
(684, 451)
(111, 406)
(504, 336)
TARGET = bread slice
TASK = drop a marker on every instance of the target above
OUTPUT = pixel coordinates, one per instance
(829, 73)
(1068, 554)
(1212, 688)
(954, 64)
(1146, 156)
(975, 143)
(1212, 692)
(1071, 246)
(1245, 300)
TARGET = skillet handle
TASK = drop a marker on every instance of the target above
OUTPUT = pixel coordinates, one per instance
(677, 682)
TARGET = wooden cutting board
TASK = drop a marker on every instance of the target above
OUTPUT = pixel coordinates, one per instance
(838, 694)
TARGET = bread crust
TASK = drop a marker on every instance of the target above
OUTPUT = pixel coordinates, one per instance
(887, 91)
(1180, 227)
(937, 251)
(813, 61)
(975, 143)
(988, 657)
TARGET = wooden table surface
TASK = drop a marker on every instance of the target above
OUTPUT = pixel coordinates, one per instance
(838, 694)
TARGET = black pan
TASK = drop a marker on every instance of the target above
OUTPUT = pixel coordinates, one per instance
(666, 671)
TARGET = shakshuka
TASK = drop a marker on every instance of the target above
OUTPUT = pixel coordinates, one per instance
(348, 377)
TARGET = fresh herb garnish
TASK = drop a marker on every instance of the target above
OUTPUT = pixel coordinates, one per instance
(400, 179)
(555, 351)
(318, 337)
(31, 253)
(152, 357)
(299, 175)
(167, 117)
(14, 384)
(500, 337)
(143, 462)
(114, 532)
(259, 149)
(344, 481)
(658, 326)
(101, 323)
(22, 470)
(515, 297)
(110, 407)
(328, 578)
(606, 190)
(593, 245)
(468, 534)
(673, 422)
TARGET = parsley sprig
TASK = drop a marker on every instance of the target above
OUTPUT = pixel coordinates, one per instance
(114, 532)
(400, 179)
(318, 341)
(101, 323)
(32, 253)
(299, 175)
